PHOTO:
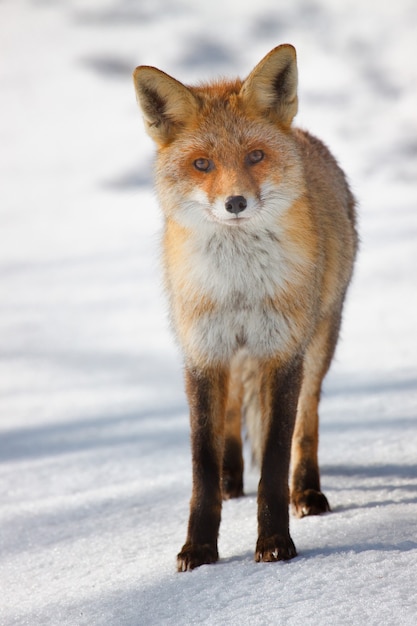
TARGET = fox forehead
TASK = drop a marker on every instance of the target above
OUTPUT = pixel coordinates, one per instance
(220, 91)
(220, 117)
(224, 132)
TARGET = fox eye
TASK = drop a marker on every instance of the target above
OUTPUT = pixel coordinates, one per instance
(203, 165)
(254, 157)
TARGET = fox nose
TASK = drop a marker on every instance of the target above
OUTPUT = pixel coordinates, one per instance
(235, 204)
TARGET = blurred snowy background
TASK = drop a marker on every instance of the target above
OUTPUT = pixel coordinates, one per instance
(94, 453)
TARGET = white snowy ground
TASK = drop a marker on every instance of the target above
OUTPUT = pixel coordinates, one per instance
(94, 451)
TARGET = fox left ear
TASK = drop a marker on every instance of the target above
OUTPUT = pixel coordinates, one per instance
(167, 104)
(271, 88)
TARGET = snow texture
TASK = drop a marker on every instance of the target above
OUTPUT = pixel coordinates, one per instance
(94, 448)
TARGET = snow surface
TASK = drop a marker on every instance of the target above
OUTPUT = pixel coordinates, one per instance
(94, 448)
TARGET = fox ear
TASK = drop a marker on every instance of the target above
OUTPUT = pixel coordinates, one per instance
(167, 104)
(271, 88)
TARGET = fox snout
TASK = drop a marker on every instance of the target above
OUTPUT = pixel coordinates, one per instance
(235, 204)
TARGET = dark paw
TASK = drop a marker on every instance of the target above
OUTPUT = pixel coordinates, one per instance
(192, 556)
(309, 502)
(232, 485)
(275, 548)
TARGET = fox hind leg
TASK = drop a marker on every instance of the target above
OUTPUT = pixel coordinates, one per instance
(232, 473)
(306, 495)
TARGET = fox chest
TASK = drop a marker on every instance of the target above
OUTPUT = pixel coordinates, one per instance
(233, 294)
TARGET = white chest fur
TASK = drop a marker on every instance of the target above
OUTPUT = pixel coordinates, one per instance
(242, 276)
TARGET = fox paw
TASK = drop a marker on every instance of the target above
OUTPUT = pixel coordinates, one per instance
(232, 485)
(275, 548)
(309, 502)
(194, 555)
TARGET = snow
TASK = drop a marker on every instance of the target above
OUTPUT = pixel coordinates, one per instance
(94, 447)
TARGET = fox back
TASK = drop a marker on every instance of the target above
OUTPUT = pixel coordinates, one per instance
(258, 250)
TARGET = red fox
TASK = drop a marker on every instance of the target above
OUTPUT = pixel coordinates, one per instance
(258, 250)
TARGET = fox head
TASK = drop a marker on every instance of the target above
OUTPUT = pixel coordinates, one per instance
(224, 149)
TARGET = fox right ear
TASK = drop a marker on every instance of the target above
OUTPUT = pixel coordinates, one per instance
(167, 105)
(271, 88)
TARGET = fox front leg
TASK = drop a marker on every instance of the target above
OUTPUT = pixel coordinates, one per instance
(281, 390)
(207, 394)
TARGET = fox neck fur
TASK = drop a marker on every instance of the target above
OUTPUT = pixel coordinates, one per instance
(230, 289)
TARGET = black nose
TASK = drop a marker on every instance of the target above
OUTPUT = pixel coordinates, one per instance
(235, 204)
